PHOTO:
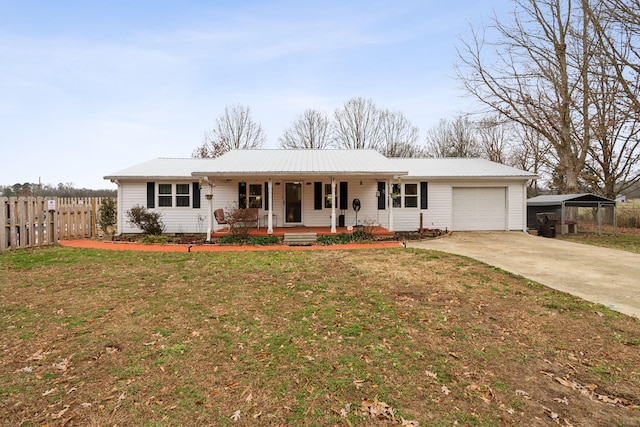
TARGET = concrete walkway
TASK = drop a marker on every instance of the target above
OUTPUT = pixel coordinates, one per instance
(606, 276)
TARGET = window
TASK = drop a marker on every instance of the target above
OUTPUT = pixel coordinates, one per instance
(255, 196)
(165, 195)
(327, 196)
(182, 195)
(411, 195)
(395, 196)
(242, 195)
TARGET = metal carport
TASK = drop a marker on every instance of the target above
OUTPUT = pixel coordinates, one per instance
(559, 202)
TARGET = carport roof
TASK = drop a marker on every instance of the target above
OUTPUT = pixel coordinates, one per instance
(581, 200)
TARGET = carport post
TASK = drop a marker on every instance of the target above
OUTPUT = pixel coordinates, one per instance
(562, 213)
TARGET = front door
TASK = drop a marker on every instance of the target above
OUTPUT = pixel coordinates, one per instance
(293, 202)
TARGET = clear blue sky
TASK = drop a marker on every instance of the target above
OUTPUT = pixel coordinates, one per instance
(91, 87)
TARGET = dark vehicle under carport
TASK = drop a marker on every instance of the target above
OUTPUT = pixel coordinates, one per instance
(558, 204)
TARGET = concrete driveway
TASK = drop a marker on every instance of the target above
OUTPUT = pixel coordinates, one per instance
(606, 276)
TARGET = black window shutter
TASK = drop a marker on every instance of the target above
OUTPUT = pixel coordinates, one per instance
(151, 195)
(242, 195)
(196, 195)
(317, 195)
(424, 195)
(266, 196)
(382, 198)
(344, 197)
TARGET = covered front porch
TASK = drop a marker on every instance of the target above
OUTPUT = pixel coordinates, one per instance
(320, 231)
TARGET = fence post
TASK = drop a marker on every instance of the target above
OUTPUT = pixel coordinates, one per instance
(13, 220)
(94, 210)
(3, 222)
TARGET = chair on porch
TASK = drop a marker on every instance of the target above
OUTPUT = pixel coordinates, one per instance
(219, 214)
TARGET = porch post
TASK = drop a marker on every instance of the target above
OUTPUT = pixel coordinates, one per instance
(270, 207)
(390, 203)
(333, 205)
(210, 216)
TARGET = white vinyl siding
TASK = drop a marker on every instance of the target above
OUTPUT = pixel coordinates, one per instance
(517, 207)
(176, 219)
(479, 208)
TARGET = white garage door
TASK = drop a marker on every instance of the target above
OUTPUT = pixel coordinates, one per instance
(479, 209)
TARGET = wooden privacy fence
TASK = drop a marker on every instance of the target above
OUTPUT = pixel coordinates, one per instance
(27, 222)
(38, 221)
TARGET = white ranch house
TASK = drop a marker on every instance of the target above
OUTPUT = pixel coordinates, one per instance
(317, 188)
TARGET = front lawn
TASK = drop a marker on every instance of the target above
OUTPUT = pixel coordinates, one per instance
(94, 337)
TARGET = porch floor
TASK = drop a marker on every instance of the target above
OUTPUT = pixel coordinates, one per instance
(320, 231)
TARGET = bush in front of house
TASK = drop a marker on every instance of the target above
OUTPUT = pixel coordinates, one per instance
(149, 222)
(107, 214)
(249, 240)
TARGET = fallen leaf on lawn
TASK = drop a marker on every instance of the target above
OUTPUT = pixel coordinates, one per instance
(409, 422)
(358, 383)
(431, 374)
(85, 405)
(50, 391)
(344, 411)
(377, 410)
(309, 358)
(39, 355)
(26, 369)
(566, 383)
(257, 415)
(148, 343)
(523, 394)
(236, 415)
(61, 413)
(445, 390)
(62, 365)
(563, 400)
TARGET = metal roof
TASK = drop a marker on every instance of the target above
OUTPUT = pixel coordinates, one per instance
(318, 162)
(430, 168)
(583, 199)
(302, 162)
(162, 168)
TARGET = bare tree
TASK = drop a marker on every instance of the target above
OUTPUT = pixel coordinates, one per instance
(533, 73)
(612, 166)
(357, 125)
(310, 130)
(399, 136)
(532, 153)
(616, 24)
(235, 129)
(495, 137)
(455, 138)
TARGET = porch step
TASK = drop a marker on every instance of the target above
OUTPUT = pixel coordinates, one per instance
(300, 239)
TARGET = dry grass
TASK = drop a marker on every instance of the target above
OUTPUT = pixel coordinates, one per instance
(293, 338)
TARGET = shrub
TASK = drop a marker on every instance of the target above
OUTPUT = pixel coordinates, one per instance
(154, 238)
(149, 222)
(250, 240)
(334, 239)
(262, 240)
(107, 215)
(239, 221)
